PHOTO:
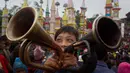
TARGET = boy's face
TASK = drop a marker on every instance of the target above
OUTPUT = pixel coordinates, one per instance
(65, 39)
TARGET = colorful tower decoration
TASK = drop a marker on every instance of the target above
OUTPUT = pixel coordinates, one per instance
(71, 14)
(108, 8)
(47, 18)
(64, 18)
(5, 18)
(52, 20)
(40, 17)
(25, 3)
(82, 19)
(116, 9)
(58, 19)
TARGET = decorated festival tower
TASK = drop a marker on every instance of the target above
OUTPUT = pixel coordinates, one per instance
(82, 28)
(5, 18)
(52, 20)
(40, 13)
(58, 18)
(64, 18)
(47, 18)
(108, 8)
(116, 9)
(71, 14)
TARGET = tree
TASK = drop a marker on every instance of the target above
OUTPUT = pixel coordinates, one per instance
(128, 16)
(14, 9)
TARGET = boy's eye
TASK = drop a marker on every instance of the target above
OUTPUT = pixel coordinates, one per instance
(58, 40)
(70, 40)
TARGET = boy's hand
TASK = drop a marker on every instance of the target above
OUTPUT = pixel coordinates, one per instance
(53, 64)
(69, 60)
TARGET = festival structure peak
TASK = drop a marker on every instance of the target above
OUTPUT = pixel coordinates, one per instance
(40, 13)
(108, 8)
(52, 19)
(58, 18)
(71, 14)
(65, 18)
(116, 9)
(5, 18)
(47, 18)
(82, 19)
(112, 9)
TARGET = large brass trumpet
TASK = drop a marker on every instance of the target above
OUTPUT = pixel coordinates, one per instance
(24, 25)
(105, 32)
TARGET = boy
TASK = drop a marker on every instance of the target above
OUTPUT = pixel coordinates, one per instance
(64, 37)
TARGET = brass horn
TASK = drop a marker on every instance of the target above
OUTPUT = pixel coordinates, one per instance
(106, 32)
(24, 25)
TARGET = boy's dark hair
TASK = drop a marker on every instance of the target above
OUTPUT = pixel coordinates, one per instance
(67, 29)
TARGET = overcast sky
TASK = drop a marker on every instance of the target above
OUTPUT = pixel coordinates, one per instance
(93, 6)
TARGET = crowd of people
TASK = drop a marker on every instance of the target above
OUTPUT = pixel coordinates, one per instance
(99, 60)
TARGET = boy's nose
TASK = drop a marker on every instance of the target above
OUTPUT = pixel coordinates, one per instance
(64, 44)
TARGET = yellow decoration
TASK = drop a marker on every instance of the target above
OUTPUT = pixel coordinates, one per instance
(65, 18)
(114, 54)
(41, 12)
(25, 4)
(108, 1)
(40, 18)
(116, 4)
(129, 53)
(4, 26)
(5, 11)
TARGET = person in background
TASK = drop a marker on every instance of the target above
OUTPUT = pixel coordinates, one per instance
(39, 56)
(102, 57)
(19, 67)
(4, 59)
(6, 43)
(124, 67)
(5, 64)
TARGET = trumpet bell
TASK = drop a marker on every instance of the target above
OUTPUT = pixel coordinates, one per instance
(21, 24)
(105, 32)
(24, 25)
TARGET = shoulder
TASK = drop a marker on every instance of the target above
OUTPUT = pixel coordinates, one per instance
(101, 69)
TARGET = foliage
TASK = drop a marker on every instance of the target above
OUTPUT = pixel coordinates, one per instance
(14, 9)
(128, 16)
(129, 24)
